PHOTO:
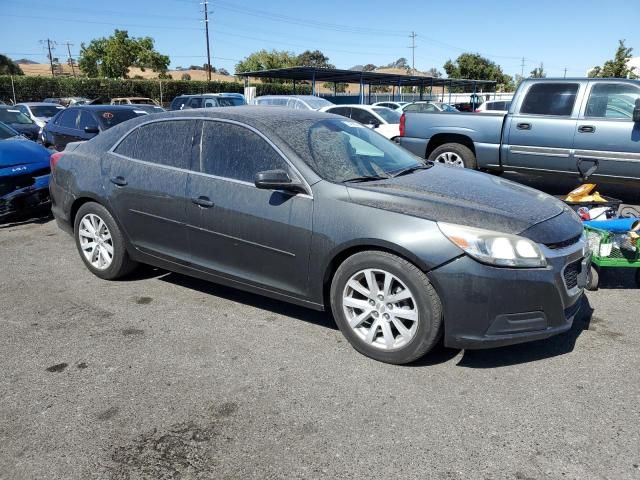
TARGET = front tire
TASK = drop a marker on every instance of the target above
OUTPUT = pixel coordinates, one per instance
(386, 307)
(454, 155)
(100, 242)
(593, 279)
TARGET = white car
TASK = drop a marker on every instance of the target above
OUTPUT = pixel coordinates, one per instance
(382, 119)
(39, 112)
(494, 106)
(392, 105)
(428, 106)
(299, 102)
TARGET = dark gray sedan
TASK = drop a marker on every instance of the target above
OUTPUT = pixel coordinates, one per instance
(317, 210)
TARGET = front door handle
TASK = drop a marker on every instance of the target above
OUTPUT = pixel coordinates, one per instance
(119, 181)
(202, 201)
(524, 126)
(586, 129)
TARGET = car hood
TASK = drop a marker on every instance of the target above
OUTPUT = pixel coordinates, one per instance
(474, 199)
(18, 152)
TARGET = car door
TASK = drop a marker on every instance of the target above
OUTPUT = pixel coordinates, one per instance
(256, 236)
(146, 186)
(86, 119)
(541, 129)
(606, 133)
(64, 129)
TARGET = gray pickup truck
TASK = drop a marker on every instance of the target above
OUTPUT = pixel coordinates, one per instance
(558, 126)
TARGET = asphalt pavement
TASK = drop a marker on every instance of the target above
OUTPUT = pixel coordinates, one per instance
(162, 376)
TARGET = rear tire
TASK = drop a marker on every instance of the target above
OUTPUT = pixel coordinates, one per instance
(454, 155)
(100, 243)
(386, 307)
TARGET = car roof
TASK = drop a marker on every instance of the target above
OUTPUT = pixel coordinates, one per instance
(301, 97)
(103, 107)
(37, 104)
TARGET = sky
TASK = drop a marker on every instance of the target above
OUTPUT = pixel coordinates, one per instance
(571, 34)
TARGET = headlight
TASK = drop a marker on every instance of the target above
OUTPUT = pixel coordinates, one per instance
(494, 248)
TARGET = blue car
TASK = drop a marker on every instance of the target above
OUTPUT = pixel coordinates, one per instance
(24, 174)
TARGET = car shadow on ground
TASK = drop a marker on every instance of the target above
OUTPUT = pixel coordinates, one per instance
(17, 220)
(618, 278)
(323, 319)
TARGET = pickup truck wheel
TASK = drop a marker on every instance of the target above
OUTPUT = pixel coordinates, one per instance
(454, 155)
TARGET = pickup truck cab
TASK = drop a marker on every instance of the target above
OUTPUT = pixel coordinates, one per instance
(555, 126)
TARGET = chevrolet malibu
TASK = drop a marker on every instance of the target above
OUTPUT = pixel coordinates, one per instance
(318, 210)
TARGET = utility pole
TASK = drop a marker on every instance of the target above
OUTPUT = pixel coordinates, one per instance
(522, 68)
(206, 29)
(565, 72)
(413, 50)
(73, 68)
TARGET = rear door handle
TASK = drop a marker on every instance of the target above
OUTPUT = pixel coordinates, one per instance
(524, 126)
(586, 129)
(119, 181)
(202, 201)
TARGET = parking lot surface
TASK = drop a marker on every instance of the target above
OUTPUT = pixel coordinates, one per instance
(163, 376)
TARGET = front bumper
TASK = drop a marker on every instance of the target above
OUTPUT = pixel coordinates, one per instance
(25, 200)
(487, 306)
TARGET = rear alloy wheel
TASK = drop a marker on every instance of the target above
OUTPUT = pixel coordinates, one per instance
(386, 307)
(454, 155)
(100, 242)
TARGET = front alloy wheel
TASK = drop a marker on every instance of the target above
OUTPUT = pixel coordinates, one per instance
(380, 309)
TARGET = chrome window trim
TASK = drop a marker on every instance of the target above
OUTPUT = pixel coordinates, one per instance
(112, 151)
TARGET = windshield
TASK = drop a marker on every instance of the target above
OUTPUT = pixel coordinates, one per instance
(109, 118)
(316, 103)
(230, 101)
(388, 115)
(9, 115)
(46, 111)
(339, 150)
(7, 132)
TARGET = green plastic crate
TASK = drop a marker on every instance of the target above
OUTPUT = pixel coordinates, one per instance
(606, 249)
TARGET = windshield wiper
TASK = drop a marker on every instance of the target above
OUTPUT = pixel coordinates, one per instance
(412, 169)
(365, 178)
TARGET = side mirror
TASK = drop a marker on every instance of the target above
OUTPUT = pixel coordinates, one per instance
(91, 129)
(636, 111)
(277, 180)
(374, 125)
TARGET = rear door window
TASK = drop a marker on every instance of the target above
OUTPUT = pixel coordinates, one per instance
(210, 102)
(86, 120)
(548, 98)
(195, 102)
(362, 116)
(344, 111)
(235, 152)
(167, 143)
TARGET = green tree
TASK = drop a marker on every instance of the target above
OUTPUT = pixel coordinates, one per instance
(476, 67)
(313, 59)
(185, 76)
(619, 66)
(369, 67)
(223, 71)
(538, 72)
(9, 67)
(264, 60)
(111, 57)
(434, 72)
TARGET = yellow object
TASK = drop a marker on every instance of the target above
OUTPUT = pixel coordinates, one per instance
(584, 194)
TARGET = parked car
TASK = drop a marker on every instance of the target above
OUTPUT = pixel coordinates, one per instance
(133, 101)
(39, 112)
(150, 108)
(382, 119)
(19, 121)
(299, 102)
(24, 174)
(316, 210)
(494, 106)
(428, 106)
(207, 100)
(67, 101)
(556, 126)
(392, 105)
(85, 122)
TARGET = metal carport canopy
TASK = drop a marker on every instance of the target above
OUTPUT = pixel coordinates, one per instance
(336, 75)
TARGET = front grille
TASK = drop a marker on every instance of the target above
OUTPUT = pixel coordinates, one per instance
(565, 244)
(571, 273)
